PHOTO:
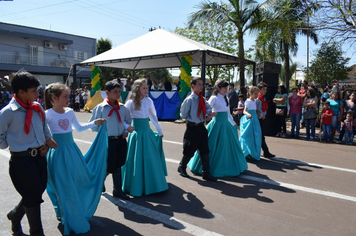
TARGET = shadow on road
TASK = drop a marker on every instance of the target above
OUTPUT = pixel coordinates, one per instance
(104, 227)
(283, 165)
(250, 189)
(169, 202)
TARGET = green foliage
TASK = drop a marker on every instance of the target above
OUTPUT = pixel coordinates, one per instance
(277, 41)
(243, 15)
(329, 64)
(103, 45)
(220, 36)
(107, 74)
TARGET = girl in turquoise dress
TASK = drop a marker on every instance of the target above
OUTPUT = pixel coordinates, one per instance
(225, 156)
(250, 129)
(145, 168)
(74, 181)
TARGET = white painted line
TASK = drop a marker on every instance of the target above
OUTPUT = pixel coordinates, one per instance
(293, 161)
(314, 164)
(163, 218)
(301, 188)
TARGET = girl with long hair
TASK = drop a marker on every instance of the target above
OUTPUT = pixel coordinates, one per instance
(225, 156)
(250, 129)
(145, 169)
(75, 181)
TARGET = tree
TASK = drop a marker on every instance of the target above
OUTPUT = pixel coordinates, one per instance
(244, 15)
(107, 74)
(220, 36)
(337, 19)
(287, 19)
(329, 64)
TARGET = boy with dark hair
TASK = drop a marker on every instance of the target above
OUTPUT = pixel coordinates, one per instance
(118, 123)
(23, 128)
(195, 110)
(262, 107)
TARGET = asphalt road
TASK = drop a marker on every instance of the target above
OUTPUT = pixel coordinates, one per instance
(308, 189)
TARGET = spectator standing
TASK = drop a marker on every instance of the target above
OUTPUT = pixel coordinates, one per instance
(280, 99)
(310, 113)
(350, 106)
(326, 116)
(167, 84)
(233, 101)
(295, 112)
(338, 108)
(303, 92)
(349, 128)
(149, 83)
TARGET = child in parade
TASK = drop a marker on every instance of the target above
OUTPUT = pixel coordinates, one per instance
(23, 128)
(195, 110)
(349, 129)
(74, 182)
(250, 129)
(118, 125)
(226, 157)
(145, 168)
(326, 116)
(262, 108)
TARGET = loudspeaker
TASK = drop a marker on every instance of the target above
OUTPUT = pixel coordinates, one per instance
(270, 79)
(268, 68)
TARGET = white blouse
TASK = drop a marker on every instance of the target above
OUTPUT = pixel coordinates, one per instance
(251, 105)
(60, 123)
(147, 110)
(218, 104)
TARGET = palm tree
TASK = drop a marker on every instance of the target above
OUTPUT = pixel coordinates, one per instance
(244, 15)
(287, 19)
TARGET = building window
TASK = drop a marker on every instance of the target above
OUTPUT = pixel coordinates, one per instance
(80, 56)
(33, 55)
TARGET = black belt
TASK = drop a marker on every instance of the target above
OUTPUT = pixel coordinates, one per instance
(192, 124)
(115, 137)
(33, 152)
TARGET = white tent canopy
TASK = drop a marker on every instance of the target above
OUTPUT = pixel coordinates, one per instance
(161, 49)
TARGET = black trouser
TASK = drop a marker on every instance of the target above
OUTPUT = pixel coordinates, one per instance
(195, 139)
(264, 144)
(281, 122)
(117, 150)
(29, 176)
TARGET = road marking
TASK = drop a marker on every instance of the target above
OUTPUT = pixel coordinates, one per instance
(301, 188)
(314, 164)
(293, 161)
(163, 218)
(267, 181)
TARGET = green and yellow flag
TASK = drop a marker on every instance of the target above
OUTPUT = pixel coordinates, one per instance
(95, 80)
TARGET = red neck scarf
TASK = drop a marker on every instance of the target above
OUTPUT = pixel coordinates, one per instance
(117, 108)
(264, 103)
(29, 107)
(202, 106)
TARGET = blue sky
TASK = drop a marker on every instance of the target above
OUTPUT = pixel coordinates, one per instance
(118, 20)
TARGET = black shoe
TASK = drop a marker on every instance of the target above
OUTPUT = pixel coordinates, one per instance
(183, 172)
(120, 194)
(15, 224)
(104, 189)
(207, 176)
(269, 155)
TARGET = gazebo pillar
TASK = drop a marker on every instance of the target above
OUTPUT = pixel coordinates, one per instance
(202, 74)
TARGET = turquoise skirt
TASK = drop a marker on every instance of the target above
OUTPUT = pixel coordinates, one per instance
(251, 136)
(145, 168)
(75, 181)
(225, 156)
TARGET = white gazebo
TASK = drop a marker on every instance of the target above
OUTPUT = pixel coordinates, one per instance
(161, 49)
